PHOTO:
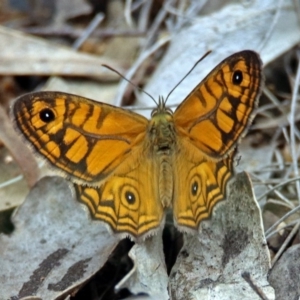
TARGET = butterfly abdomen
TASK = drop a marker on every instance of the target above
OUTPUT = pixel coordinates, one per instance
(166, 180)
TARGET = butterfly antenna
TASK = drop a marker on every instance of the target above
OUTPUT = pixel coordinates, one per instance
(137, 87)
(187, 74)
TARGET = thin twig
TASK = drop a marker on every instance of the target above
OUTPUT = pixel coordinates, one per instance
(271, 26)
(253, 285)
(274, 100)
(292, 125)
(282, 219)
(135, 66)
(281, 228)
(127, 13)
(88, 31)
(281, 203)
(152, 31)
(284, 245)
(144, 16)
(277, 186)
(70, 32)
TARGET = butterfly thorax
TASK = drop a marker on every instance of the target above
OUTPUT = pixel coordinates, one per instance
(162, 133)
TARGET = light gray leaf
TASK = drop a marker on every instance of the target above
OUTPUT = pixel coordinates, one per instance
(55, 247)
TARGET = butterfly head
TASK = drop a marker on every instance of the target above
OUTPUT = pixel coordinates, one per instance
(161, 108)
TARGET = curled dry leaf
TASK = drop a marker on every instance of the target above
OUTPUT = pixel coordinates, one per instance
(22, 155)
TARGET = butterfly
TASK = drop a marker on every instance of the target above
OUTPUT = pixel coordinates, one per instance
(127, 169)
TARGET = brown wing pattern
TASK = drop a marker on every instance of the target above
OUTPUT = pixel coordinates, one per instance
(83, 138)
(217, 112)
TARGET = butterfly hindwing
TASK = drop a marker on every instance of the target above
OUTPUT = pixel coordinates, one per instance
(204, 186)
(128, 201)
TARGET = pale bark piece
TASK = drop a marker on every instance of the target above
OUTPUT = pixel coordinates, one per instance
(22, 54)
(231, 243)
(285, 275)
(55, 247)
(149, 274)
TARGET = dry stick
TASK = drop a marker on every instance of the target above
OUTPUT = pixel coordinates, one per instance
(144, 16)
(284, 245)
(154, 28)
(297, 9)
(70, 32)
(292, 124)
(279, 159)
(280, 195)
(274, 99)
(142, 24)
(278, 202)
(265, 108)
(283, 198)
(182, 17)
(281, 228)
(127, 13)
(143, 21)
(282, 219)
(277, 186)
(137, 4)
(89, 30)
(272, 26)
(256, 289)
(135, 66)
(285, 135)
(286, 95)
(287, 202)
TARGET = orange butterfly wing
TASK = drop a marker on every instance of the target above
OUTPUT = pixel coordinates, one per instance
(209, 123)
(204, 186)
(218, 111)
(128, 201)
(83, 138)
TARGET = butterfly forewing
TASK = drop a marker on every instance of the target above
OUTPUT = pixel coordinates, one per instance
(218, 111)
(83, 138)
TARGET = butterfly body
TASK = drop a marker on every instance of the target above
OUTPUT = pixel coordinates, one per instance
(128, 169)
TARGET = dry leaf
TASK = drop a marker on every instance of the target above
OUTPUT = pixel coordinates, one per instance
(55, 247)
(28, 55)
